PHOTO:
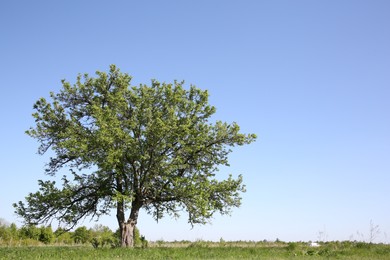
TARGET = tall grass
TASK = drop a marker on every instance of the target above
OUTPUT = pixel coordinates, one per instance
(206, 250)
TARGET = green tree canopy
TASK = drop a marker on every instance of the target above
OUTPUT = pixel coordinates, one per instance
(131, 147)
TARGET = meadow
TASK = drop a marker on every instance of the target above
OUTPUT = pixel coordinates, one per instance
(205, 250)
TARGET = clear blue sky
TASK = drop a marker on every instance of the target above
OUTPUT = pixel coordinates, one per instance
(310, 78)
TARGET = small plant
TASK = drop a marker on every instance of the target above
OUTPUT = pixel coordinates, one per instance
(292, 246)
(374, 232)
(144, 242)
(199, 243)
(325, 252)
(363, 245)
(160, 242)
(95, 242)
(46, 235)
(322, 235)
(311, 252)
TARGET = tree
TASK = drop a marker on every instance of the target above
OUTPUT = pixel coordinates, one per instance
(102, 236)
(5, 233)
(46, 235)
(30, 231)
(14, 231)
(82, 235)
(131, 148)
(63, 237)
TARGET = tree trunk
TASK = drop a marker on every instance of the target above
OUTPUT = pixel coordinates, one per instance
(127, 227)
(127, 233)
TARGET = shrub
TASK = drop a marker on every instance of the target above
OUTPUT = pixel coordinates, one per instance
(363, 245)
(95, 242)
(46, 235)
(199, 243)
(292, 246)
(82, 235)
(137, 237)
(139, 241)
(29, 232)
(144, 242)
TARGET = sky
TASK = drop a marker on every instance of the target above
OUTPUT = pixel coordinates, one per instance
(310, 78)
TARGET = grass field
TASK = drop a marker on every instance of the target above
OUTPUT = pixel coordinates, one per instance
(206, 250)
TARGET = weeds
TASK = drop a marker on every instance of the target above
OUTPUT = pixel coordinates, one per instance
(206, 250)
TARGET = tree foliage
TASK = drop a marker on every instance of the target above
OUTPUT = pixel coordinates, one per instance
(82, 235)
(29, 235)
(130, 148)
(46, 235)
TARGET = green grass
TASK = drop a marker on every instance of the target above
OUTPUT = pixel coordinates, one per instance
(205, 250)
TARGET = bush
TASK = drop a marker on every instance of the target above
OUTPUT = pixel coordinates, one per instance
(199, 244)
(5, 234)
(144, 242)
(137, 238)
(82, 235)
(95, 242)
(292, 246)
(46, 235)
(363, 245)
(29, 232)
(103, 236)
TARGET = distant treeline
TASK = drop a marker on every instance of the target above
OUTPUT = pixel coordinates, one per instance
(30, 235)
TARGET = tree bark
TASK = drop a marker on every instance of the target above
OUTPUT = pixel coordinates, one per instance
(127, 233)
(127, 227)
